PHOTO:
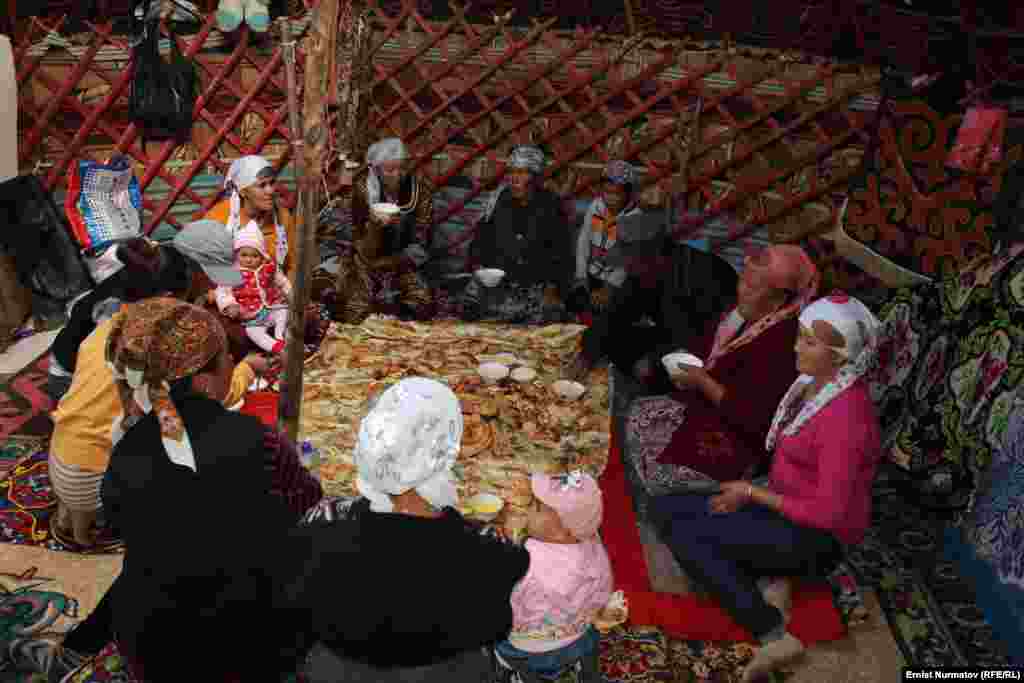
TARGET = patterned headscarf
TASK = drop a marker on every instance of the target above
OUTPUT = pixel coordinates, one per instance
(522, 158)
(527, 157)
(153, 343)
(620, 172)
(859, 329)
(408, 440)
(785, 266)
(245, 172)
(388, 149)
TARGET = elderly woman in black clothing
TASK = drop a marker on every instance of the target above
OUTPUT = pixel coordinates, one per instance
(432, 620)
(526, 234)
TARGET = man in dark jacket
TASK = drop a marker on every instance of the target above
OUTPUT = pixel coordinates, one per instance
(525, 234)
(671, 293)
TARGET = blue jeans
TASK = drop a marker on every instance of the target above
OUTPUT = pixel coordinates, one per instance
(551, 664)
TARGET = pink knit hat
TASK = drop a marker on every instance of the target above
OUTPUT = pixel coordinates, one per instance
(250, 236)
(575, 497)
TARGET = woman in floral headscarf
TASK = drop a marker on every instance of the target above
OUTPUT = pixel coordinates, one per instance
(713, 428)
(826, 442)
(382, 271)
(179, 460)
(526, 234)
(595, 278)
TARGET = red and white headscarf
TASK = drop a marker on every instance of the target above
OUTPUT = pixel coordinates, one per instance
(859, 329)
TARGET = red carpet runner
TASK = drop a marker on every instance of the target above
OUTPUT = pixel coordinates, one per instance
(815, 618)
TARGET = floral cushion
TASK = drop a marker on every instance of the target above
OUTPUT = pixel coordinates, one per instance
(951, 357)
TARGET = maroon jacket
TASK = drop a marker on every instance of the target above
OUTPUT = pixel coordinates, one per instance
(724, 441)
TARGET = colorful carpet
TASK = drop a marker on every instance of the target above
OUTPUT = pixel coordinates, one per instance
(31, 605)
(635, 655)
(24, 405)
(27, 502)
(930, 607)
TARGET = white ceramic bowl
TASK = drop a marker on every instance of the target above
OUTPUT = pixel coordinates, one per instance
(493, 372)
(490, 277)
(385, 209)
(524, 374)
(567, 389)
(484, 506)
(672, 361)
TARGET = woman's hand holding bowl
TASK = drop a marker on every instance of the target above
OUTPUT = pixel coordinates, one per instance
(688, 377)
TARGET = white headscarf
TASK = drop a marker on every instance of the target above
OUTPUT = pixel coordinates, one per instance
(859, 328)
(388, 149)
(244, 172)
(409, 440)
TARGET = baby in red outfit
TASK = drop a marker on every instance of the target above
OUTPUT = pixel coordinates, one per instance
(261, 301)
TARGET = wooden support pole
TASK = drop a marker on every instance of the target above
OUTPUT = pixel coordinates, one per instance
(311, 148)
(630, 19)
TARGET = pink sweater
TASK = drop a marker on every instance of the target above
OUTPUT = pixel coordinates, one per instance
(824, 471)
(566, 586)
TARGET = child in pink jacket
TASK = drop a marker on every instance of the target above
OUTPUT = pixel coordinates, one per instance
(261, 301)
(569, 581)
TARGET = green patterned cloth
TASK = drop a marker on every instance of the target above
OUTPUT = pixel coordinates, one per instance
(951, 359)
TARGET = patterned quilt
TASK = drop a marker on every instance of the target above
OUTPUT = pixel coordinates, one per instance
(511, 429)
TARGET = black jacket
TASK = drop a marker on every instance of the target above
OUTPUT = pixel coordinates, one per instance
(532, 243)
(416, 591)
(205, 551)
(216, 564)
(697, 289)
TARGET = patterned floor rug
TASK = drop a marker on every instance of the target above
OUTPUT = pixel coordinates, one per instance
(31, 605)
(27, 503)
(24, 405)
(14, 449)
(931, 609)
(635, 655)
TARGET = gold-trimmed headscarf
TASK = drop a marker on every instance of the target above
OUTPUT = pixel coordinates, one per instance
(155, 342)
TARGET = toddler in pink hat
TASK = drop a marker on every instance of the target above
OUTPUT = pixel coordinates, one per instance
(261, 301)
(569, 581)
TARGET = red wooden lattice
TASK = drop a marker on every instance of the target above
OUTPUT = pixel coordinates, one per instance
(774, 139)
(73, 103)
(767, 147)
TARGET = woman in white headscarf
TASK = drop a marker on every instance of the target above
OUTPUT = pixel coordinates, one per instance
(827, 444)
(249, 185)
(250, 188)
(382, 271)
(449, 578)
(525, 233)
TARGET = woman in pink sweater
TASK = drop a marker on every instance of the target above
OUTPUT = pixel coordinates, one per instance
(827, 444)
